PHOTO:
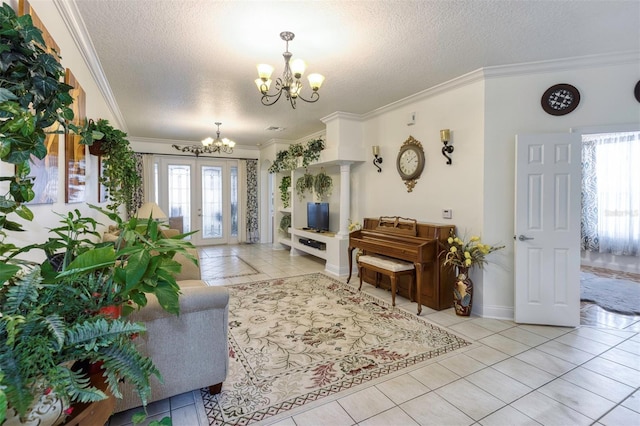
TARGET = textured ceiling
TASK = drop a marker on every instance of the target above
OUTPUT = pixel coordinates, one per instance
(176, 67)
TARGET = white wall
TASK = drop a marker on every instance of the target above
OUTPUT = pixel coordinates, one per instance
(96, 107)
(457, 186)
(513, 107)
(484, 110)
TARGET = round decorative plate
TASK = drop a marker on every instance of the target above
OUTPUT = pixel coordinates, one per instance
(636, 91)
(560, 99)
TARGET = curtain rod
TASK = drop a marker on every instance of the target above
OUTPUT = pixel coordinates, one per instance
(186, 155)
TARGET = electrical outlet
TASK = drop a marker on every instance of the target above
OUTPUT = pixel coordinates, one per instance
(447, 213)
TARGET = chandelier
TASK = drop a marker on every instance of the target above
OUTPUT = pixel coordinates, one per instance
(210, 145)
(289, 83)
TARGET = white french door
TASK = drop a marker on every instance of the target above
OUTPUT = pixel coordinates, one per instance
(202, 194)
(547, 229)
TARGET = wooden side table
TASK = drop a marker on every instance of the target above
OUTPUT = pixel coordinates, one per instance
(93, 413)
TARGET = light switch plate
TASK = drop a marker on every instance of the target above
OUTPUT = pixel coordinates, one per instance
(447, 213)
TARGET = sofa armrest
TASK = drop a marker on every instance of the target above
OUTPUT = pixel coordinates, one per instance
(190, 350)
(192, 299)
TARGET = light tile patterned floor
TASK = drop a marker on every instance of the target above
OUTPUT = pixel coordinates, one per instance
(512, 375)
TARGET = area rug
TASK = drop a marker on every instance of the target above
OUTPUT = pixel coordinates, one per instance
(615, 295)
(297, 340)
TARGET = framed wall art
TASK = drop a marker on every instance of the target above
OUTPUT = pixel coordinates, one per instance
(75, 155)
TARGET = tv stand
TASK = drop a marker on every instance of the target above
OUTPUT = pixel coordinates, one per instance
(313, 243)
(326, 245)
(329, 245)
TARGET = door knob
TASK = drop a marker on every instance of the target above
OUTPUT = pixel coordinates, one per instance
(523, 238)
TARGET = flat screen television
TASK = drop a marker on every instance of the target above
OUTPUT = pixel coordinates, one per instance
(318, 216)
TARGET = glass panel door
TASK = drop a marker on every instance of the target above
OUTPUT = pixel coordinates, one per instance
(201, 195)
(179, 195)
(212, 217)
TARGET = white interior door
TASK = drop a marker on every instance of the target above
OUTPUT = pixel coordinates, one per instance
(547, 229)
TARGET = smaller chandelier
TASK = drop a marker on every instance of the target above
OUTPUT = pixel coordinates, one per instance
(210, 145)
(289, 83)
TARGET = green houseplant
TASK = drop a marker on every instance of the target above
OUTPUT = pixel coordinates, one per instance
(32, 99)
(287, 160)
(304, 184)
(51, 313)
(56, 313)
(285, 191)
(119, 175)
(322, 184)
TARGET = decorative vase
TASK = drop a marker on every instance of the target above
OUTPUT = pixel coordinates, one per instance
(111, 311)
(463, 293)
(48, 410)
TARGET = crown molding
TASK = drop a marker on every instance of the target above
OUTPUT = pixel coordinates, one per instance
(342, 114)
(499, 71)
(565, 64)
(74, 23)
(463, 80)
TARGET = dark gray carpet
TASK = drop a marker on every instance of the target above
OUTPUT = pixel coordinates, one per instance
(615, 295)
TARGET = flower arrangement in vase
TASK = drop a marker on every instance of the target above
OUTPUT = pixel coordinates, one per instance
(464, 255)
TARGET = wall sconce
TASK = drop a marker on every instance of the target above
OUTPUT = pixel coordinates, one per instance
(445, 137)
(377, 160)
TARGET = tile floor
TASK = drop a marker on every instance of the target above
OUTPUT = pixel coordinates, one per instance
(511, 375)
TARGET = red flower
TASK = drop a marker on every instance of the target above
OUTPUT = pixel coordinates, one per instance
(47, 391)
(68, 411)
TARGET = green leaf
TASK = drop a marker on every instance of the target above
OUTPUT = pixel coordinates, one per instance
(7, 271)
(24, 212)
(136, 267)
(6, 95)
(139, 417)
(91, 260)
(167, 297)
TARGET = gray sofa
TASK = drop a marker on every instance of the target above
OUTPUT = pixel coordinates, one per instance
(191, 349)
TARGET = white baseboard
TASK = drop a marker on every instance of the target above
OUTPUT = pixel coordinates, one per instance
(496, 312)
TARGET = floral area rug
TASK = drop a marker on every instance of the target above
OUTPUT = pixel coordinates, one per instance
(297, 340)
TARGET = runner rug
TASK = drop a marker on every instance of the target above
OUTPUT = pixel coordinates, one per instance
(297, 340)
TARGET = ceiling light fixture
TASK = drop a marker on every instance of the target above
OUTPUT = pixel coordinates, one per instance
(289, 83)
(210, 145)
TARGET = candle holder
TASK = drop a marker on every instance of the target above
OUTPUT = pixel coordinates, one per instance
(377, 160)
(445, 137)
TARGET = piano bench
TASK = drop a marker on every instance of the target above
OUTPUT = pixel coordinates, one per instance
(393, 268)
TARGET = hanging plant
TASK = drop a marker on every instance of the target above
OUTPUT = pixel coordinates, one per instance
(312, 152)
(322, 184)
(285, 193)
(120, 172)
(285, 223)
(303, 184)
(287, 160)
(296, 150)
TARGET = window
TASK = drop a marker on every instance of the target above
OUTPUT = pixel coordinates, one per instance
(611, 193)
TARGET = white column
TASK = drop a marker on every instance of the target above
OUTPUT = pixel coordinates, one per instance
(345, 198)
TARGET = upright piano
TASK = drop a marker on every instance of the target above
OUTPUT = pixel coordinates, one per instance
(420, 243)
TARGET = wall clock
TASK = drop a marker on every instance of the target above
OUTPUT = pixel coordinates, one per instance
(410, 162)
(636, 91)
(560, 99)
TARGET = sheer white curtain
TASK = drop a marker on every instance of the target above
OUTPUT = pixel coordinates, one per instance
(613, 162)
